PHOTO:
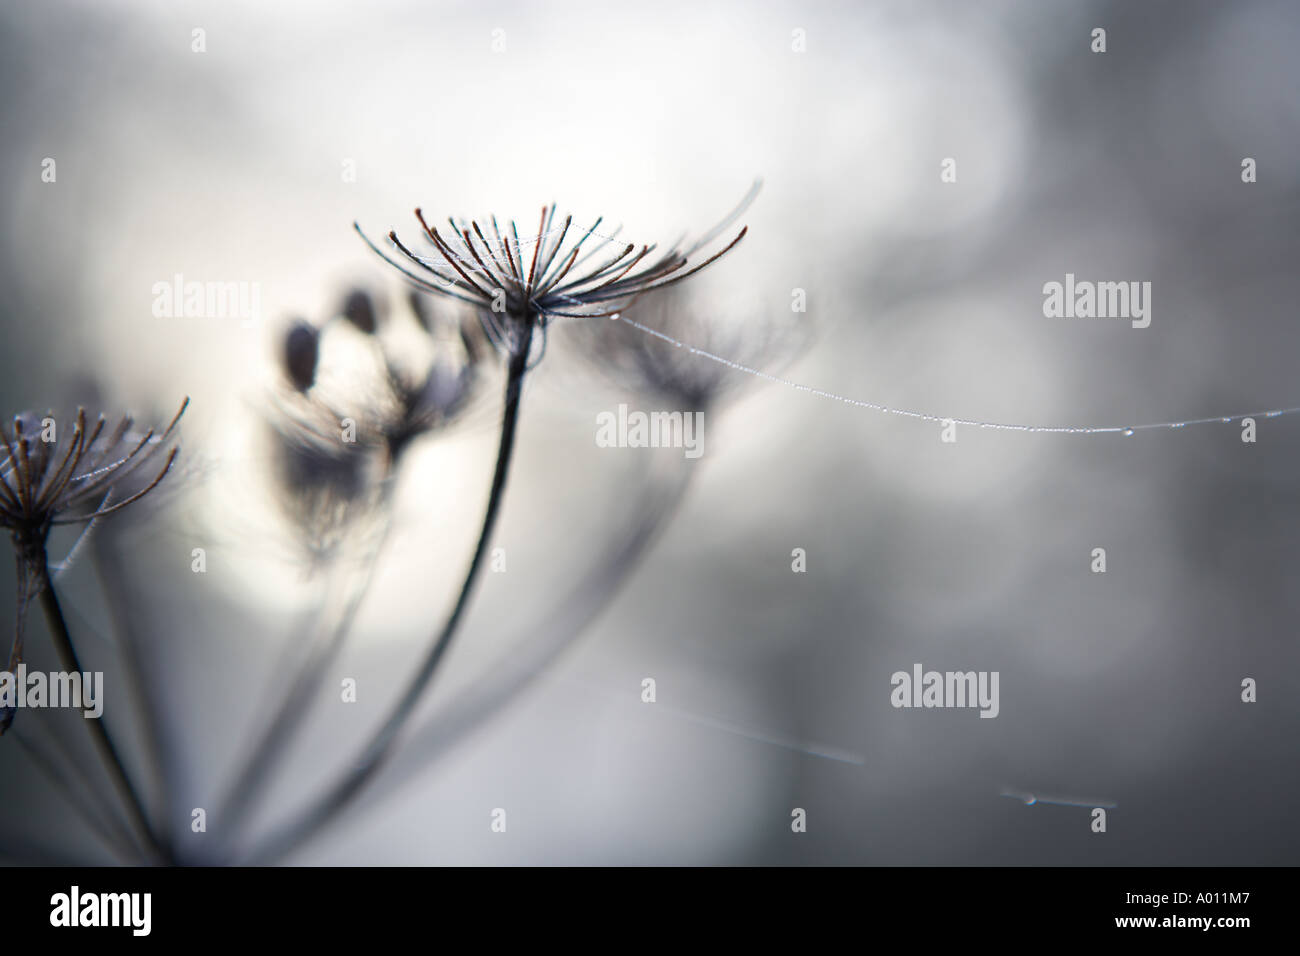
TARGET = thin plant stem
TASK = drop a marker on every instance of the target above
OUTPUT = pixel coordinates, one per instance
(380, 746)
(120, 838)
(108, 828)
(329, 640)
(98, 733)
(520, 665)
(114, 587)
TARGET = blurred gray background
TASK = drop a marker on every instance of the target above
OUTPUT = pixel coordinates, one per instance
(1120, 688)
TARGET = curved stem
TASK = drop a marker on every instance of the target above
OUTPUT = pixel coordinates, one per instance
(98, 733)
(521, 664)
(110, 828)
(381, 744)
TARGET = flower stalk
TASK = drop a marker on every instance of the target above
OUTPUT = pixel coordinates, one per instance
(381, 744)
(103, 742)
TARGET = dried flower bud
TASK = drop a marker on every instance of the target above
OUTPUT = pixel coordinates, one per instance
(359, 309)
(301, 352)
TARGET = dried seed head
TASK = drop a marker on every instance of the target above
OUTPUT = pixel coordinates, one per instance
(68, 474)
(301, 353)
(325, 484)
(431, 395)
(334, 444)
(429, 406)
(515, 289)
(51, 475)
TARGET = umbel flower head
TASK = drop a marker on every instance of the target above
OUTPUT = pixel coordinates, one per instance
(572, 273)
(47, 479)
